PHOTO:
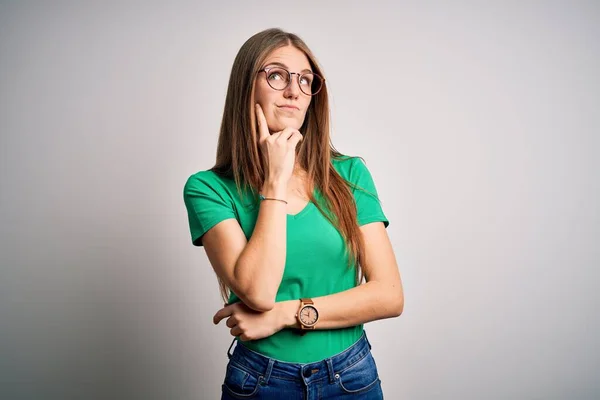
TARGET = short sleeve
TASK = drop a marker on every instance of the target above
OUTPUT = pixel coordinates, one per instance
(207, 204)
(368, 205)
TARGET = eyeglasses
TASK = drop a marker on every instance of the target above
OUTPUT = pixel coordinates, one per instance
(280, 78)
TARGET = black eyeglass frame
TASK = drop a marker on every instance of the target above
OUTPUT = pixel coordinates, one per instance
(267, 69)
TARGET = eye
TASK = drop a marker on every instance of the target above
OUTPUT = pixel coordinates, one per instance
(306, 80)
(275, 76)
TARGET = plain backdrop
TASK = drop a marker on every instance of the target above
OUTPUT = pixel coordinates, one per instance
(478, 120)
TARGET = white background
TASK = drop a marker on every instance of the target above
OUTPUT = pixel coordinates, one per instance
(478, 120)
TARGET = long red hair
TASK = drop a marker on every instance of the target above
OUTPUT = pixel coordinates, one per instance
(238, 152)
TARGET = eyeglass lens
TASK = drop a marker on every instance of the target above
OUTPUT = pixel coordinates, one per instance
(279, 79)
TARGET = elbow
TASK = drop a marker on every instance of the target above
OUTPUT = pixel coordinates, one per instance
(398, 308)
(397, 305)
(391, 303)
(260, 303)
(255, 292)
(257, 298)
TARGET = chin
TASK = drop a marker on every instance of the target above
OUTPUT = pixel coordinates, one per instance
(283, 123)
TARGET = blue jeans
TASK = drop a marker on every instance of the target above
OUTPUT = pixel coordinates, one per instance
(351, 374)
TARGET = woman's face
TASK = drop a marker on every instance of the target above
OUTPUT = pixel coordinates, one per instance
(273, 101)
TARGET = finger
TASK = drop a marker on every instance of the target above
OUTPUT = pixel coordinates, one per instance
(297, 135)
(294, 139)
(222, 313)
(235, 331)
(244, 337)
(287, 133)
(231, 321)
(263, 128)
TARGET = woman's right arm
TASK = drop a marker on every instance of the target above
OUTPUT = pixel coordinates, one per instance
(252, 269)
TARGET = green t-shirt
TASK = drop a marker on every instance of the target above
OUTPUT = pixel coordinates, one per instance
(316, 262)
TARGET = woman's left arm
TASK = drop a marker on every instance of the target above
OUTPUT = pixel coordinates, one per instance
(380, 297)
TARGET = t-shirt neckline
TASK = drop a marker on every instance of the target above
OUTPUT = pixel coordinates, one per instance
(300, 213)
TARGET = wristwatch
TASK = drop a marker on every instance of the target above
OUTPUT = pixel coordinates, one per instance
(307, 315)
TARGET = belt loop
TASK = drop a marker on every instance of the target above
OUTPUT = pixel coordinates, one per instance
(230, 346)
(330, 369)
(268, 371)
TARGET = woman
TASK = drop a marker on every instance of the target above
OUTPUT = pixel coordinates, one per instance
(291, 227)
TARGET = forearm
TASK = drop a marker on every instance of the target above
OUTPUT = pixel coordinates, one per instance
(367, 302)
(261, 263)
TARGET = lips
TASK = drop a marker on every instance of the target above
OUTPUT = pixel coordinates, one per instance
(286, 107)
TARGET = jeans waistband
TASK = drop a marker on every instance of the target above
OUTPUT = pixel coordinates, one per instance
(266, 367)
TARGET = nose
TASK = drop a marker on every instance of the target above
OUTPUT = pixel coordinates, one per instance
(293, 89)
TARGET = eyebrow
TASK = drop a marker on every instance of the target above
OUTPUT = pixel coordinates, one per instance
(285, 66)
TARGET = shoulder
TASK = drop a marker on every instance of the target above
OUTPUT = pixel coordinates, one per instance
(351, 168)
(354, 170)
(205, 182)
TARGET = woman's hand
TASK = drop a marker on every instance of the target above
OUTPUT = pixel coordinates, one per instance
(278, 150)
(249, 324)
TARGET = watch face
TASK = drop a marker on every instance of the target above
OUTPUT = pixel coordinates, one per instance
(309, 315)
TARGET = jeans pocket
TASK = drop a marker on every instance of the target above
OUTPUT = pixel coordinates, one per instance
(239, 382)
(359, 377)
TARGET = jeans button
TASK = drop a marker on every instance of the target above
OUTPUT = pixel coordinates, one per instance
(307, 373)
